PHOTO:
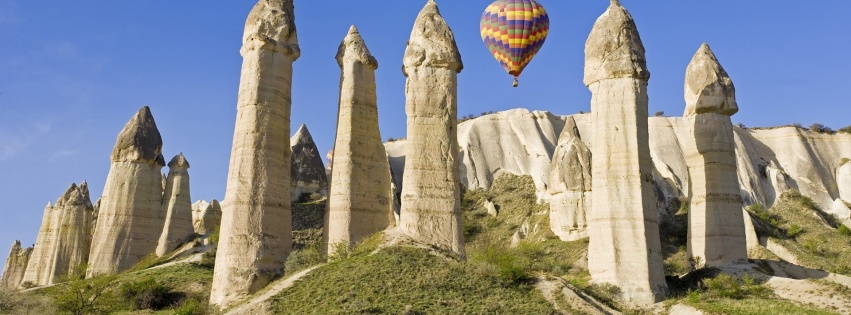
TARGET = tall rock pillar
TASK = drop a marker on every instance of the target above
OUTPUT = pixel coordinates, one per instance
(570, 185)
(40, 263)
(624, 247)
(360, 201)
(129, 221)
(431, 202)
(716, 226)
(177, 207)
(256, 230)
(16, 265)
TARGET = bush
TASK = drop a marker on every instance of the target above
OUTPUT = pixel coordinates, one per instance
(92, 296)
(728, 287)
(820, 128)
(845, 130)
(208, 260)
(195, 306)
(844, 230)
(502, 264)
(147, 294)
(794, 231)
(303, 258)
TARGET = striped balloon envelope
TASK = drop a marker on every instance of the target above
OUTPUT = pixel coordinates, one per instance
(514, 31)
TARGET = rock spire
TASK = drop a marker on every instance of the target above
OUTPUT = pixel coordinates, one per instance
(207, 217)
(132, 199)
(625, 248)
(307, 171)
(716, 222)
(570, 185)
(177, 207)
(431, 208)
(256, 230)
(16, 265)
(64, 239)
(360, 201)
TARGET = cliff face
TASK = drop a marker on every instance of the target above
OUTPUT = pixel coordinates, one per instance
(769, 161)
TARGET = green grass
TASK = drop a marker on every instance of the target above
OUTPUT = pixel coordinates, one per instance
(801, 228)
(400, 279)
(754, 306)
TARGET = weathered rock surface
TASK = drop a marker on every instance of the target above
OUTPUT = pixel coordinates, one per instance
(360, 202)
(16, 265)
(256, 230)
(307, 171)
(129, 221)
(64, 238)
(431, 207)
(840, 210)
(570, 185)
(843, 181)
(716, 223)
(624, 248)
(177, 207)
(207, 217)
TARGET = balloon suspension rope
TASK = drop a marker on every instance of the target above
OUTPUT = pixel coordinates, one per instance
(516, 82)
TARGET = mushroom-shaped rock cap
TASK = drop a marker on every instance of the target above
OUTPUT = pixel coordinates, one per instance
(432, 43)
(271, 25)
(353, 50)
(708, 88)
(179, 161)
(140, 140)
(614, 49)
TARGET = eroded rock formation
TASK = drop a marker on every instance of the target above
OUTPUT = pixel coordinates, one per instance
(360, 201)
(64, 238)
(206, 216)
(177, 207)
(843, 180)
(716, 224)
(16, 265)
(624, 248)
(307, 172)
(129, 221)
(570, 185)
(256, 230)
(431, 207)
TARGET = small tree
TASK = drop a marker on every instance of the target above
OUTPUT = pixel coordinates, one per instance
(83, 297)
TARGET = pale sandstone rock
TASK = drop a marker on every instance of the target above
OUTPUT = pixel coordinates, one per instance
(360, 201)
(129, 221)
(490, 207)
(16, 265)
(207, 217)
(256, 230)
(177, 207)
(716, 225)
(64, 240)
(307, 173)
(843, 181)
(624, 247)
(570, 185)
(840, 211)
(431, 201)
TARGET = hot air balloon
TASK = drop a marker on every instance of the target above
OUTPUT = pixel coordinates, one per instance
(514, 31)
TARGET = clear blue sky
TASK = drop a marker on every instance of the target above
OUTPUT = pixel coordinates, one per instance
(73, 72)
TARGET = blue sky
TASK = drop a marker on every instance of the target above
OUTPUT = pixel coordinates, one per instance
(73, 72)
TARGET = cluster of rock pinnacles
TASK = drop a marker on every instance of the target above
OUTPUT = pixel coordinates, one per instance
(604, 192)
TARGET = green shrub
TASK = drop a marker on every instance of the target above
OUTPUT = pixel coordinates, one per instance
(845, 130)
(208, 260)
(794, 231)
(92, 296)
(301, 259)
(500, 263)
(728, 287)
(147, 294)
(844, 230)
(214, 237)
(194, 306)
